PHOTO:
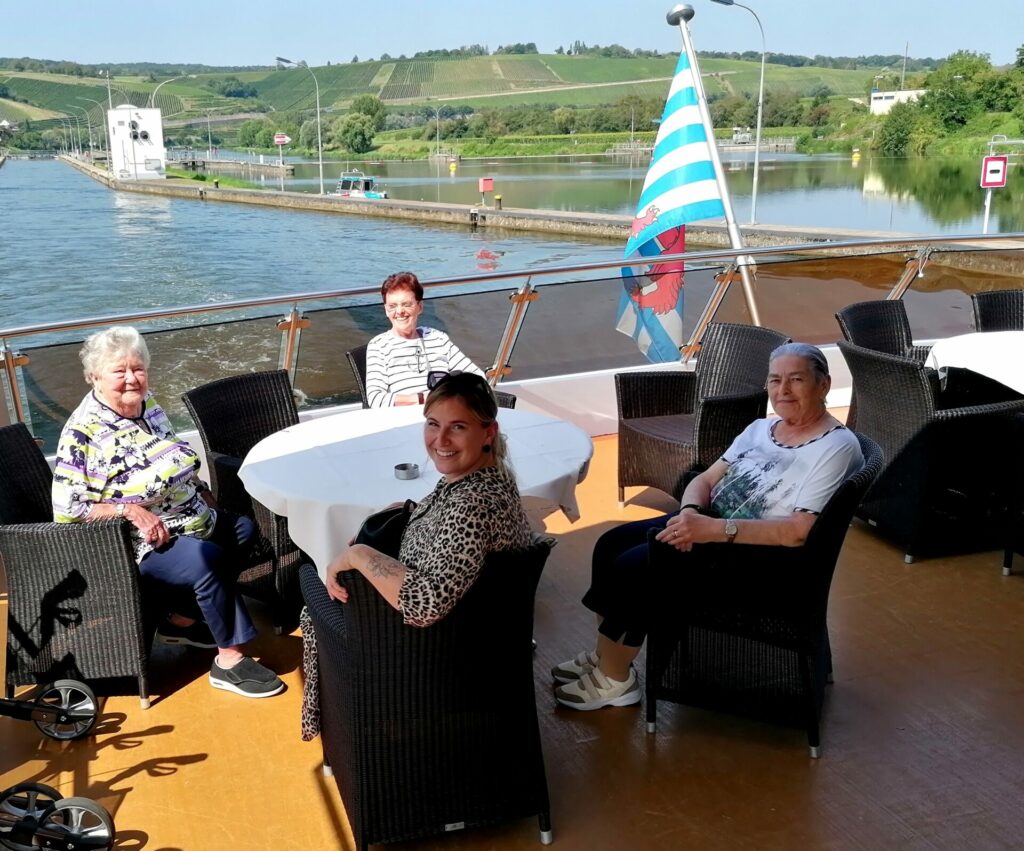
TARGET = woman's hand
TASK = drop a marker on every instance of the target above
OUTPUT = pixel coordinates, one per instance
(688, 528)
(153, 530)
(341, 564)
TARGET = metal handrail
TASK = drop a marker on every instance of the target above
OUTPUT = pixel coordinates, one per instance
(721, 254)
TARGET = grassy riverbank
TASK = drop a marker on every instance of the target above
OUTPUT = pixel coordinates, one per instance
(222, 180)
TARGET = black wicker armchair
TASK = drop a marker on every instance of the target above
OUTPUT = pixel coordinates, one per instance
(882, 326)
(232, 415)
(941, 490)
(75, 607)
(357, 361)
(747, 631)
(417, 742)
(671, 422)
(1000, 310)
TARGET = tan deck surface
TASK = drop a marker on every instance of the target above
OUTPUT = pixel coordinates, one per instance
(923, 736)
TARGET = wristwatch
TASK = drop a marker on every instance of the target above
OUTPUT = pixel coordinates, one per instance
(730, 530)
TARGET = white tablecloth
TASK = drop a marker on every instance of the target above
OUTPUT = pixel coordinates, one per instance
(327, 475)
(996, 354)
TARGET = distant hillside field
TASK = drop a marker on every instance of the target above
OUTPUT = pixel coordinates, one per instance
(478, 81)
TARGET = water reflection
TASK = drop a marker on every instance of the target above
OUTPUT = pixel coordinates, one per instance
(796, 190)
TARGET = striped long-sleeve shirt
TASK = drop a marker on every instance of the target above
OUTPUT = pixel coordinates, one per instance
(395, 365)
(104, 457)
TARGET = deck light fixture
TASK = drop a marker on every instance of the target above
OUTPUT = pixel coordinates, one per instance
(319, 143)
(760, 107)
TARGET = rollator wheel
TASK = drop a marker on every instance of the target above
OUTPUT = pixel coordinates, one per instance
(69, 696)
(81, 822)
(26, 800)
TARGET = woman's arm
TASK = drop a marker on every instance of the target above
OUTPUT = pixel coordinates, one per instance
(386, 574)
(457, 361)
(690, 527)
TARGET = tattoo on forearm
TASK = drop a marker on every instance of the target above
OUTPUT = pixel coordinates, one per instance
(383, 566)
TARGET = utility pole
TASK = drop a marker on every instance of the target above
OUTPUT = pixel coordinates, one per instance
(903, 76)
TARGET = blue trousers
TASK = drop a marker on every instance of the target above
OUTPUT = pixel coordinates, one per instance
(210, 568)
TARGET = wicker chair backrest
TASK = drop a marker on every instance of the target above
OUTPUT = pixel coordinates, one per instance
(733, 358)
(234, 414)
(1002, 310)
(357, 360)
(882, 326)
(25, 478)
(895, 396)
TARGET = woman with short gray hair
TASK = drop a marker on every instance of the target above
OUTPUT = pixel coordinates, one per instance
(119, 458)
(767, 488)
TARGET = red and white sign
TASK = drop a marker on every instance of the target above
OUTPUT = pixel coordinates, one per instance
(284, 139)
(993, 172)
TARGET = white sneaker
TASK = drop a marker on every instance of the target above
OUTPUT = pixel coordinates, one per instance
(594, 690)
(575, 667)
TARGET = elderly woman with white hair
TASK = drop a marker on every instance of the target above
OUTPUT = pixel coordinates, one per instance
(767, 488)
(118, 457)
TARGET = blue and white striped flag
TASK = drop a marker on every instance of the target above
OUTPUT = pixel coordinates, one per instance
(680, 187)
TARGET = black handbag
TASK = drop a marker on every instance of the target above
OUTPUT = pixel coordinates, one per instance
(384, 530)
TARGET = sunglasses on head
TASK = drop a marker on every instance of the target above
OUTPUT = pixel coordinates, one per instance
(470, 379)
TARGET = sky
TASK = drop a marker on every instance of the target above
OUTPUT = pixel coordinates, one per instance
(227, 32)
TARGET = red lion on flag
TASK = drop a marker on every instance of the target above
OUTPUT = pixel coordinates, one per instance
(661, 294)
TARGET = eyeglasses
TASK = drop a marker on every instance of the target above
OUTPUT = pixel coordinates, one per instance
(404, 305)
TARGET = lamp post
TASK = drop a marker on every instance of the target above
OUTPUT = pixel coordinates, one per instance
(209, 138)
(88, 124)
(77, 126)
(105, 128)
(152, 97)
(110, 97)
(437, 132)
(760, 107)
(319, 142)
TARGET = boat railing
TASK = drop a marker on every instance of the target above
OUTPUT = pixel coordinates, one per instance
(558, 320)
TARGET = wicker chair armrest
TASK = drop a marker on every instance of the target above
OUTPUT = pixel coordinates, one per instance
(227, 488)
(948, 414)
(655, 394)
(720, 419)
(919, 354)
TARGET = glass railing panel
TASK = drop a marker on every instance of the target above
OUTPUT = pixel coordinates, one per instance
(182, 358)
(571, 327)
(800, 297)
(474, 321)
(939, 304)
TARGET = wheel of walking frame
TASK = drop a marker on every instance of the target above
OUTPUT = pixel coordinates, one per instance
(69, 696)
(26, 800)
(80, 823)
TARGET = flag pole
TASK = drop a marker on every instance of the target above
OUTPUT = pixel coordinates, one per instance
(679, 16)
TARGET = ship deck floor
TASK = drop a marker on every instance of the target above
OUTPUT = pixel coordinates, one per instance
(922, 733)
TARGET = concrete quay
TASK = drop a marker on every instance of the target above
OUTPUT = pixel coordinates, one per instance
(614, 228)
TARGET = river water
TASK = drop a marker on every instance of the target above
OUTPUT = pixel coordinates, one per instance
(926, 196)
(71, 248)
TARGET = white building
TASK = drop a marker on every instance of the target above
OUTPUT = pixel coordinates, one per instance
(136, 143)
(882, 102)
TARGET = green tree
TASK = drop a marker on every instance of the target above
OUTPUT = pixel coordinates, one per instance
(356, 132)
(897, 128)
(1020, 57)
(565, 120)
(372, 107)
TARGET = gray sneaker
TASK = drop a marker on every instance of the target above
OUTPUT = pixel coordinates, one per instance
(248, 678)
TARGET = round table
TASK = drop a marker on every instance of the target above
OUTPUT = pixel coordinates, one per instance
(327, 475)
(999, 355)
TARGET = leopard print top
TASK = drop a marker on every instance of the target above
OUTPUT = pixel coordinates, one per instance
(450, 534)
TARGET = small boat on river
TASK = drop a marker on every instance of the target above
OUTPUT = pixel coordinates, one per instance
(355, 184)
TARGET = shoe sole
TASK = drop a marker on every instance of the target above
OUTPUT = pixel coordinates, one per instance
(630, 699)
(175, 640)
(233, 688)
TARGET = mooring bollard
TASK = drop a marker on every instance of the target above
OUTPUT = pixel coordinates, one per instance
(216, 184)
(497, 202)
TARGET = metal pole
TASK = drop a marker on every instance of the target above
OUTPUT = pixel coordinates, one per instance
(760, 112)
(319, 141)
(730, 219)
(988, 207)
(110, 98)
(209, 138)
